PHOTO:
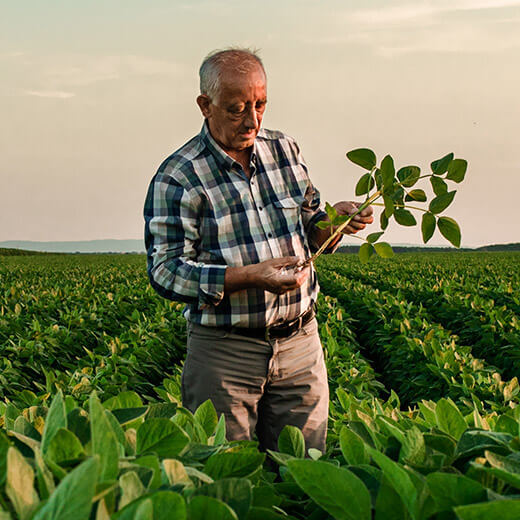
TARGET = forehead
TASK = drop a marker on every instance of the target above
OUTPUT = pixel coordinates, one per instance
(235, 85)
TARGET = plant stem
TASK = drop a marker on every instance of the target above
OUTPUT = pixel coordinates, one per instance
(401, 206)
(341, 227)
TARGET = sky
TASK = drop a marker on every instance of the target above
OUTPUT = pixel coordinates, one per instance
(94, 95)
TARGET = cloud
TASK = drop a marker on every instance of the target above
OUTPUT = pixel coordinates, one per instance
(63, 76)
(423, 11)
(56, 94)
(440, 26)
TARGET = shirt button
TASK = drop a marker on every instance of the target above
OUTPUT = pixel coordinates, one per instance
(270, 235)
(260, 208)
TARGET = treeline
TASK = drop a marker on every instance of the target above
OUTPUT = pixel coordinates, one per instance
(420, 249)
(19, 252)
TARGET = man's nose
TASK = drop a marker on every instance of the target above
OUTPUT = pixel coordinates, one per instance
(251, 118)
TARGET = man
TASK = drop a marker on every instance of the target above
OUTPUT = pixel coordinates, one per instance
(228, 217)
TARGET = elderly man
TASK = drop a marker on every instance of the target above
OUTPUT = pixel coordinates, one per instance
(228, 217)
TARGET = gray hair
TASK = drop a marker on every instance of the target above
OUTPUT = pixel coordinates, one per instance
(243, 60)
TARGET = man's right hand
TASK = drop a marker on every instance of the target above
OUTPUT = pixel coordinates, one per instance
(276, 275)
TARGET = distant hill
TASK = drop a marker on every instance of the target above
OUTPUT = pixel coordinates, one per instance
(83, 246)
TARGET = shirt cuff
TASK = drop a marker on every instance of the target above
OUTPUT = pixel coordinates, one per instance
(211, 285)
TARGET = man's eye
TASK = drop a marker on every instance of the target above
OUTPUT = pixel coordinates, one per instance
(260, 105)
(237, 110)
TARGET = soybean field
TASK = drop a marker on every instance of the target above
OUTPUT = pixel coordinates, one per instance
(423, 357)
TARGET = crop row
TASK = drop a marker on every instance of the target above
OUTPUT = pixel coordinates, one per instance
(458, 300)
(84, 323)
(417, 358)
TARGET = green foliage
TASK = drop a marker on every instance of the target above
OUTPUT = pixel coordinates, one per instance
(421, 354)
(385, 183)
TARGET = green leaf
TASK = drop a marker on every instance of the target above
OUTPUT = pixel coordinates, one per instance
(457, 170)
(220, 431)
(417, 195)
(362, 157)
(23, 426)
(336, 490)
(365, 184)
(450, 490)
(104, 441)
(475, 442)
(161, 436)
(151, 463)
(73, 497)
(387, 171)
(127, 399)
(440, 166)
(206, 415)
(56, 419)
(4, 446)
(234, 464)
(263, 513)
(126, 416)
(389, 207)
(413, 450)
(383, 220)
(450, 230)
(449, 419)
(409, 175)
(20, 484)
(441, 202)
(237, 493)
(167, 505)
(513, 479)
(65, 448)
(324, 224)
(131, 488)
(292, 442)
(365, 252)
(352, 447)
(384, 250)
(389, 505)
(144, 511)
(398, 478)
(506, 509)
(340, 219)
(331, 211)
(203, 507)
(438, 185)
(427, 226)
(374, 237)
(404, 217)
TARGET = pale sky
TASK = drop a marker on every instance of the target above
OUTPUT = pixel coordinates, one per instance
(94, 95)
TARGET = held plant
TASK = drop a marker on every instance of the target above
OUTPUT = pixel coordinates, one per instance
(396, 191)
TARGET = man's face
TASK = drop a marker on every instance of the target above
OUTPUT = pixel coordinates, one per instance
(235, 117)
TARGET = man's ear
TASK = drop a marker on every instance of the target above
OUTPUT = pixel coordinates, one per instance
(204, 102)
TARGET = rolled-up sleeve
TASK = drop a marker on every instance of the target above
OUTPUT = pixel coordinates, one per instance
(171, 216)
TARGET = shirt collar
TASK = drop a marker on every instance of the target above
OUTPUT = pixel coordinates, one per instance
(220, 155)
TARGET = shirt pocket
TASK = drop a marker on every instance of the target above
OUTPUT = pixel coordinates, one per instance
(287, 215)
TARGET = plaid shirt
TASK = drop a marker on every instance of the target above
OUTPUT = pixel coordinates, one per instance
(203, 214)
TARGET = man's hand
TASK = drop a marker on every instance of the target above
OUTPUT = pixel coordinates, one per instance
(359, 222)
(277, 276)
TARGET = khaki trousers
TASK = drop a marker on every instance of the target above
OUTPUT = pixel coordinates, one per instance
(259, 386)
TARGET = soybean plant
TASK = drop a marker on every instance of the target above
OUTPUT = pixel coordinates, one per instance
(400, 197)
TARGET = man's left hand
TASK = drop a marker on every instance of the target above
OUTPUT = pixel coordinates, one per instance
(360, 221)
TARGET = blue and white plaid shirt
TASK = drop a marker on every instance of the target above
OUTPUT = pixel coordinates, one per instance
(203, 214)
